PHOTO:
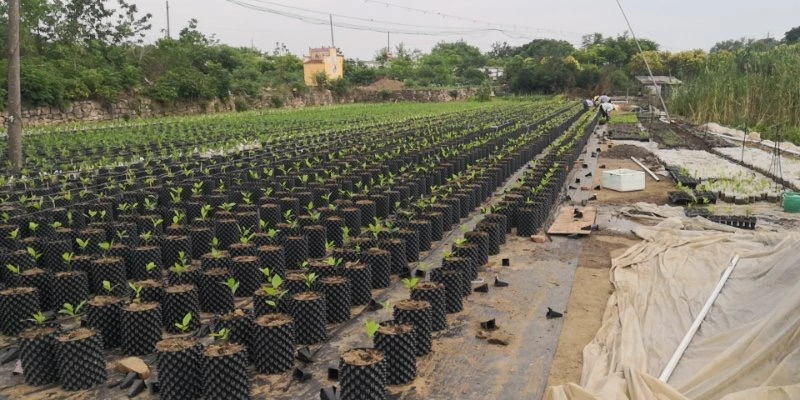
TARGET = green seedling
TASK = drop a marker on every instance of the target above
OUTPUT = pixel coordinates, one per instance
(410, 284)
(137, 290)
(222, 335)
(372, 328)
(310, 279)
(13, 269)
(183, 326)
(232, 284)
(72, 311)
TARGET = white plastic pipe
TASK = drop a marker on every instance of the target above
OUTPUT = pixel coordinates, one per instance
(676, 357)
(645, 168)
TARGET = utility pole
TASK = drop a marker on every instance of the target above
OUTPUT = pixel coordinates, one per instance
(14, 94)
(168, 36)
(388, 45)
(333, 44)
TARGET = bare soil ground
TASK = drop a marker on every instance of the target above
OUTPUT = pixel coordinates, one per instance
(591, 288)
(618, 157)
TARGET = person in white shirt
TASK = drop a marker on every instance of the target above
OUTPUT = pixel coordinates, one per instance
(587, 104)
(605, 99)
(605, 110)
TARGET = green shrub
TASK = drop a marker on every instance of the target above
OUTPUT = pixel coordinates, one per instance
(41, 84)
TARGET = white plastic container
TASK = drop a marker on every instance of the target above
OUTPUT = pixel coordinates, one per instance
(623, 180)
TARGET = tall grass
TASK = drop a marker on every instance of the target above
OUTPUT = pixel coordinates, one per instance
(760, 90)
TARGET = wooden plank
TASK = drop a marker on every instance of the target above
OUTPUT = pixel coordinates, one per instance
(566, 224)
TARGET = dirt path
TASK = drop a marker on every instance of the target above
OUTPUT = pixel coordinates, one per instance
(590, 291)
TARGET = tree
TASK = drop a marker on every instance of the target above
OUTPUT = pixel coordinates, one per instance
(14, 96)
(792, 36)
(637, 64)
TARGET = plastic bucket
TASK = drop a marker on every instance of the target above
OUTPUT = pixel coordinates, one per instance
(791, 202)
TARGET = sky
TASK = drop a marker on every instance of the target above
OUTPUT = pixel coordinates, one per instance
(676, 25)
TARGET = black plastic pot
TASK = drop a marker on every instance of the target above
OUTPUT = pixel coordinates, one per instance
(239, 323)
(225, 372)
(141, 328)
(399, 346)
(104, 314)
(362, 375)
(70, 287)
(38, 349)
(310, 314)
(453, 282)
(180, 367)
(81, 364)
(272, 348)
(417, 313)
(435, 294)
(215, 296)
(337, 298)
(16, 307)
(360, 277)
(180, 300)
(379, 262)
(246, 271)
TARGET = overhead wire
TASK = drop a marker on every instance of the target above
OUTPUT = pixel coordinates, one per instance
(399, 28)
(477, 21)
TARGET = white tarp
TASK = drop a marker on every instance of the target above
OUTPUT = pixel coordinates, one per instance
(748, 346)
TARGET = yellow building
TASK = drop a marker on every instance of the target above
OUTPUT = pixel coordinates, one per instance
(325, 60)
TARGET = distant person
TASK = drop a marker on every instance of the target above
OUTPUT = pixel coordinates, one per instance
(605, 111)
(587, 104)
(604, 99)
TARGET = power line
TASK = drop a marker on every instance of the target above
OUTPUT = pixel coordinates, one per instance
(362, 27)
(477, 21)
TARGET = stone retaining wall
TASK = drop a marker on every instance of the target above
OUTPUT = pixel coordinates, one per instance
(131, 108)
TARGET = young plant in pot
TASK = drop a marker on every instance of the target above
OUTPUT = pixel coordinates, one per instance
(243, 247)
(180, 364)
(398, 344)
(225, 369)
(81, 364)
(104, 314)
(417, 313)
(271, 298)
(183, 272)
(273, 343)
(73, 315)
(69, 286)
(309, 311)
(363, 372)
(38, 352)
(240, 324)
(141, 325)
